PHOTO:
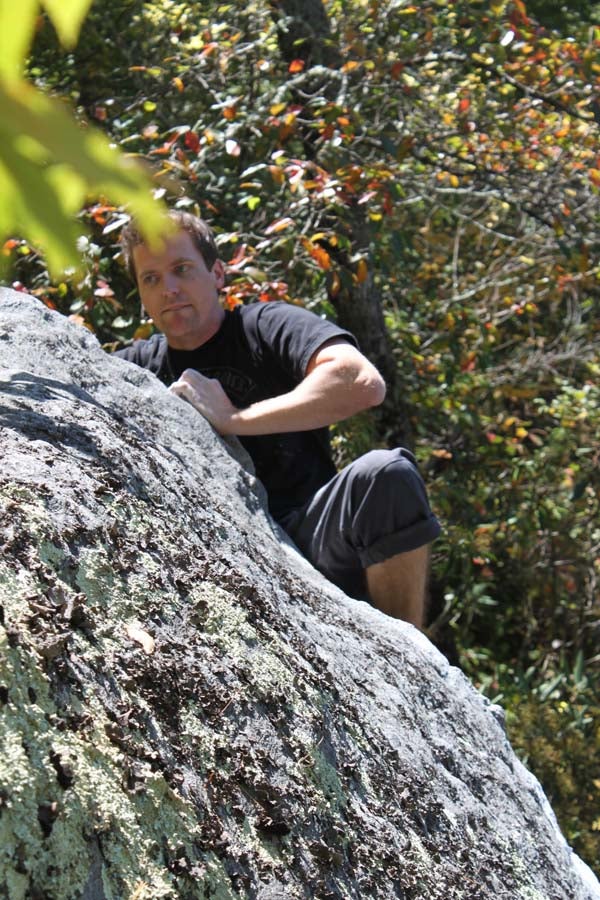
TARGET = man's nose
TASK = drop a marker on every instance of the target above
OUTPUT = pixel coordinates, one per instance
(170, 285)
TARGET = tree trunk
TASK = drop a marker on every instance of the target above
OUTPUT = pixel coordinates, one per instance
(304, 32)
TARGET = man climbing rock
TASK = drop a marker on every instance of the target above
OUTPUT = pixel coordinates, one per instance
(276, 376)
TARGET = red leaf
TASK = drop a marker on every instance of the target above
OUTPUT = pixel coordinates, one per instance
(192, 141)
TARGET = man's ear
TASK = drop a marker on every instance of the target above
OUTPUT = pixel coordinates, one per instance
(218, 271)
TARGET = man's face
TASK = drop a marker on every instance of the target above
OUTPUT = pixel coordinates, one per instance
(179, 292)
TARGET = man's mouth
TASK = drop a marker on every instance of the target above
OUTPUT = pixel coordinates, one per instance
(175, 307)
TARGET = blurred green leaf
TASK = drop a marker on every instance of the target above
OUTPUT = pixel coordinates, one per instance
(49, 165)
(67, 17)
(17, 24)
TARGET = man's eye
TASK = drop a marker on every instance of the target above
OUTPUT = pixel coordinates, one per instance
(150, 279)
(182, 269)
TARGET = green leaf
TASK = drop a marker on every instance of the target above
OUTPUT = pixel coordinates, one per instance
(17, 24)
(67, 17)
(49, 165)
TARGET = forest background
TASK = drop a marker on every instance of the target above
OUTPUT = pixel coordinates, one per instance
(427, 174)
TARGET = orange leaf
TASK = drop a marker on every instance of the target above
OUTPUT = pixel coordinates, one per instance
(178, 84)
(362, 270)
(335, 286)
(164, 150)
(279, 225)
(296, 65)
(469, 362)
(522, 11)
(319, 254)
(463, 105)
(229, 112)
(9, 245)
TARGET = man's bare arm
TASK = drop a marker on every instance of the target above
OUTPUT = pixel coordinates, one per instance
(339, 382)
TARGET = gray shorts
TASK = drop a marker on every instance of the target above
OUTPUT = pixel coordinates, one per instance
(373, 509)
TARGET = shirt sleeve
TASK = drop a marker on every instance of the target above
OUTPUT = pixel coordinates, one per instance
(290, 335)
(150, 354)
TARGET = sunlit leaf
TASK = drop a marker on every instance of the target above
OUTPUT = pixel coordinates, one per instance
(362, 270)
(279, 225)
(44, 180)
(67, 17)
(17, 24)
(232, 147)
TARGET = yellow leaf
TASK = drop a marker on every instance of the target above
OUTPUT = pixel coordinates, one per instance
(277, 108)
(143, 331)
(67, 18)
(17, 25)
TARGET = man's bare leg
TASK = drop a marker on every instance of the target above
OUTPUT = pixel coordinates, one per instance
(398, 586)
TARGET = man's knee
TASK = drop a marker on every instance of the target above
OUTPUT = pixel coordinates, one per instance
(393, 470)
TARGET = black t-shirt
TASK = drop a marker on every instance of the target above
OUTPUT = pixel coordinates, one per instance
(260, 351)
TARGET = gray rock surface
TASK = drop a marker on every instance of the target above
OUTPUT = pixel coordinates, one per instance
(188, 709)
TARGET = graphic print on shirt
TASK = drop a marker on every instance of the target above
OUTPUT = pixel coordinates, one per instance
(239, 386)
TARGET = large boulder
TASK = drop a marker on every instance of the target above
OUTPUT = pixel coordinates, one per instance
(188, 709)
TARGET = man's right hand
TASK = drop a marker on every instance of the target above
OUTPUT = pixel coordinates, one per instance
(208, 397)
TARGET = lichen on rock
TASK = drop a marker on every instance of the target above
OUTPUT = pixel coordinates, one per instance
(188, 709)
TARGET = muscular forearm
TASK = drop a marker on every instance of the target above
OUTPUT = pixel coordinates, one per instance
(332, 391)
(325, 396)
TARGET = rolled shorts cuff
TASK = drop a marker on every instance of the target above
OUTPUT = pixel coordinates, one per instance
(417, 535)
